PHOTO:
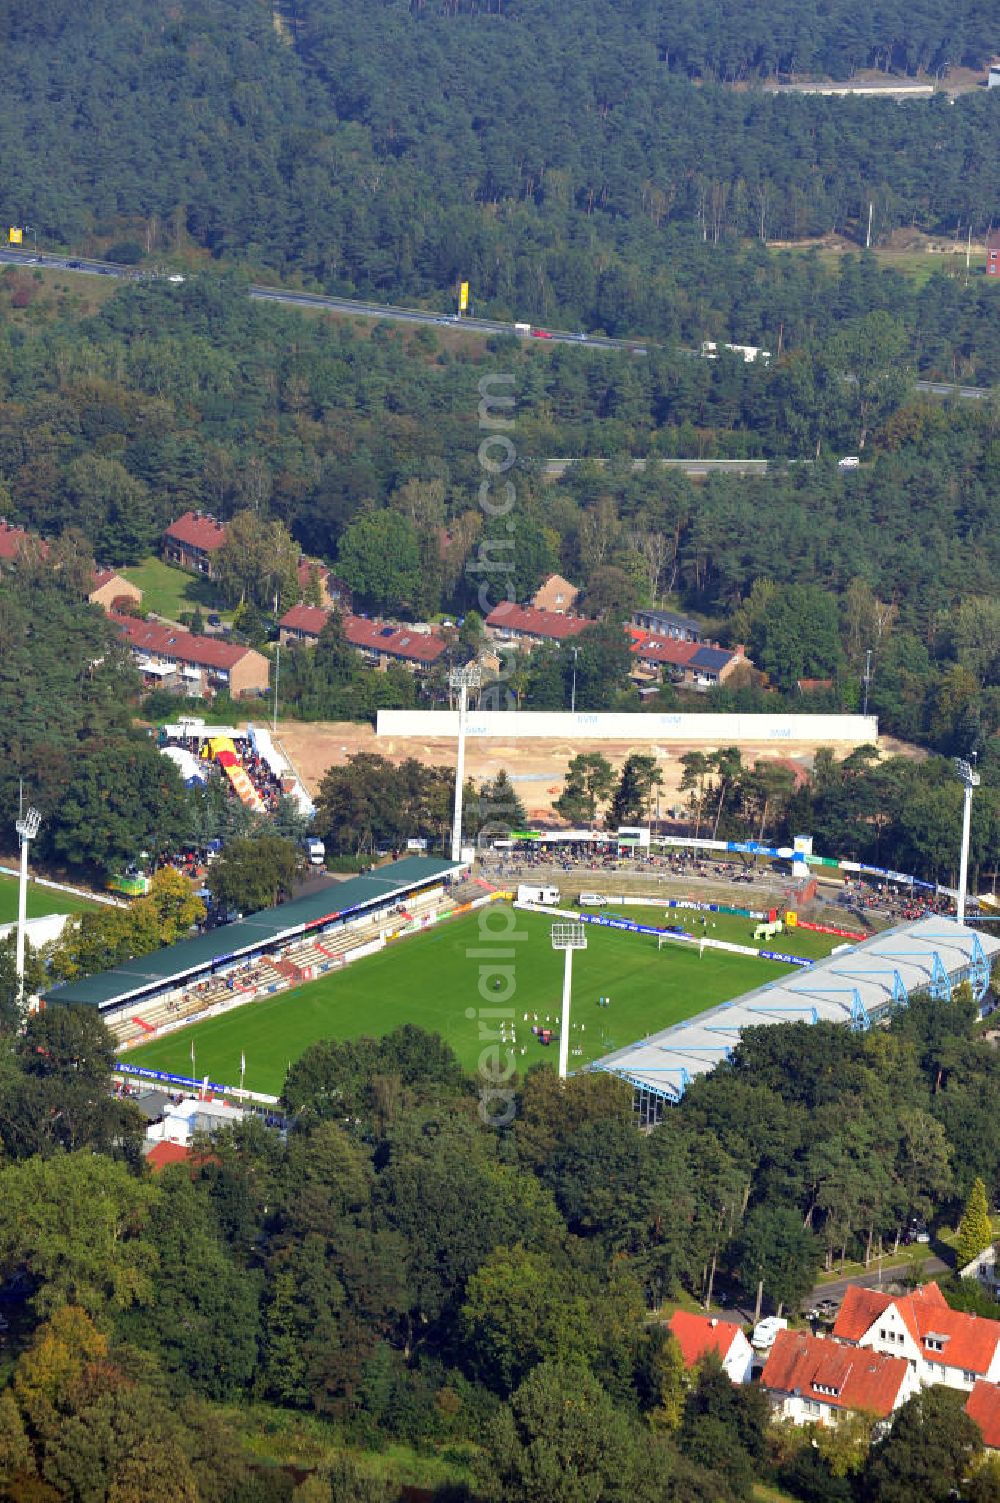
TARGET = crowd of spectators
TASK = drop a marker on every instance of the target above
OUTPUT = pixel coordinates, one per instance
(888, 899)
(502, 864)
(265, 781)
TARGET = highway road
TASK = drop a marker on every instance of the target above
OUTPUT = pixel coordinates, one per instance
(361, 308)
(555, 469)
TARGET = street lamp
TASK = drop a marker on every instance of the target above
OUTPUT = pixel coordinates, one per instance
(462, 679)
(572, 701)
(27, 827)
(567, 937)
(970, 779)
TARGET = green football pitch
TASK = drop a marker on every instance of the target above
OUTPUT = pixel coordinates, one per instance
(41, 901)
(441, 981)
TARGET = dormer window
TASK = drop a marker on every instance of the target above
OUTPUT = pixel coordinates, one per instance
(934, 1343)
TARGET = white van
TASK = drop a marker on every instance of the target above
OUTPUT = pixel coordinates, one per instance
(849, 462)
(592, 900)
(765, 1332)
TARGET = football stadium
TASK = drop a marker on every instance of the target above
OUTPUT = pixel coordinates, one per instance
(417, 941)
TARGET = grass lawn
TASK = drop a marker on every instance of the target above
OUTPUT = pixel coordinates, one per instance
(432, 980)
(736, 931)
(168, 591)
(41, 901)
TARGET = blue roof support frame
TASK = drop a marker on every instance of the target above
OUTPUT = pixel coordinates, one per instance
(979, 970)
(856, 1011)
(940, 987)
(898, 994)
(860, 1021)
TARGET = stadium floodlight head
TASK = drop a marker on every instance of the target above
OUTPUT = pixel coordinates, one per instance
(27, 827)
(567, 937)
(967, 772)
(970, 779)
(463, 679)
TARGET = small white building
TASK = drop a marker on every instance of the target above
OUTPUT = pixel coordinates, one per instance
(697, 1335)
(939, 1344)
(993, 77)
(190, 1116)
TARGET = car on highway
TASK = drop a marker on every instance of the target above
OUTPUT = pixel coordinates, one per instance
(74, 265)
(540, 334)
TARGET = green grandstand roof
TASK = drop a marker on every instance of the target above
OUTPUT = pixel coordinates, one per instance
(259, 929)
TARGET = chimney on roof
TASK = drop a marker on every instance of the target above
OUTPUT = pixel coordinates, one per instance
(714, 1322)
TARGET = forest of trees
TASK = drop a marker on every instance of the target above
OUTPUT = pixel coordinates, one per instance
(413, 1279)
(560, 159)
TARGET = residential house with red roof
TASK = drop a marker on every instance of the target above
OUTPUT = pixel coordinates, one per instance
(331, 590)
(302, 625)
(193, 541)
(12, 540)
(697, 1335)
(810, 1380)
(983, 1406)
(701, 665)
(940, 1345)
(528, 626)
(108, 587)
(381, 644)
(378, 642)
(555, 594)
(193, 664)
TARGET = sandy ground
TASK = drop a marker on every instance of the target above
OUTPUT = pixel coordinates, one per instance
(535, 767)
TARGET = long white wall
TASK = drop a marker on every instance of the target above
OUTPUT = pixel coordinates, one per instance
(558, 725)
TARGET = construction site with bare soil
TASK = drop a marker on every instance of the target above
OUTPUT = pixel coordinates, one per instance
(537, 766)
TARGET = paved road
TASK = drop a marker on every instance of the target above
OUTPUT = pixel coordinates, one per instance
(554, 469)
(890, 1274)
(364, 309)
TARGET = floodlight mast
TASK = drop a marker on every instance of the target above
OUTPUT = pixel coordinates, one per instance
(27, 828)
(970, 779)
(567, 937)
(462, 679)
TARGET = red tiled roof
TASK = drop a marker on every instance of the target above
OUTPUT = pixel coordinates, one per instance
(167, 1153)
(970, 1341)
(662, 649)
(12, 539)
(198, 530)
(983, 1406)
(530, 622)
(828, 1373)
(698, 1334)
(307, 618)
(394, 641)
(305, 570)
(183, 646)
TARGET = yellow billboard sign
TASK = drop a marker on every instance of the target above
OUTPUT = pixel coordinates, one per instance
(463, 296)
(15, 236)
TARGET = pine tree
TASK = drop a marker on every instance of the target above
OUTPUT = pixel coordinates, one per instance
(975, 1230)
